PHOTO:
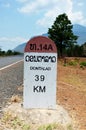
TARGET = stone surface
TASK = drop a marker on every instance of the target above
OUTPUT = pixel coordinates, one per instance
(40, 116)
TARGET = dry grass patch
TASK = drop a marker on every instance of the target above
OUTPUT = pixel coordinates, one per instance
(15, 99)
(73, 75)
(11, 122)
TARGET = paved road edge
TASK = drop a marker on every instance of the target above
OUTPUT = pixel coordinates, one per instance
(10, 65)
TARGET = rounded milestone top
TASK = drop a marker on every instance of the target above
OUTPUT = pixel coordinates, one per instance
(40, 44)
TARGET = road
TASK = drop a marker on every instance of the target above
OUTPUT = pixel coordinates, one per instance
(11, 78)
(5, 61)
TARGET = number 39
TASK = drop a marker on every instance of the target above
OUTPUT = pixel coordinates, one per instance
(39, 78)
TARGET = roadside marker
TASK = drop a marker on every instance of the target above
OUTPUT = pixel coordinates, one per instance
(40, 73)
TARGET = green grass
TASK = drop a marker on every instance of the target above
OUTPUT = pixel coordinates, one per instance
(72, 63)
(83, 63)
(13, 122)
(55, 127)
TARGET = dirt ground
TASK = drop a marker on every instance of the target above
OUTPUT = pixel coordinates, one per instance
(71, 93)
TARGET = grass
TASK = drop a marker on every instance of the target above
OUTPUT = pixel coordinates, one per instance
(55, 127)
(73, 63)
(11, 122)
(77, 62)
(83, 64)
(15, 99)
(73, 73)
(73, 78)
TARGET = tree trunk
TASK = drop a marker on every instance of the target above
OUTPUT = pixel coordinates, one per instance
(61, 52)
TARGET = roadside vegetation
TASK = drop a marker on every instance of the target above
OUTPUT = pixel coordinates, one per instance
(11, 122)
(72, 71)
(75, 61)
(8, 53)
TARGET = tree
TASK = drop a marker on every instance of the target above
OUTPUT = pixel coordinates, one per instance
(61, 33)
(84, 49)
(0, 51)
(9, 52)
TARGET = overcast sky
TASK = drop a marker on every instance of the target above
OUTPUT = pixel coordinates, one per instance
(22, 19)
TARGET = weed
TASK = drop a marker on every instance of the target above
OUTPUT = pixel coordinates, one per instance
(15, 98)
(18, 123)
(83, 63)
(65, 64)
(77, 59)
(42, 128)
(49, 127)
(55, 127)
(69, 127)
(25, 127)
(14, 122)
(73, 63)
(7, 116)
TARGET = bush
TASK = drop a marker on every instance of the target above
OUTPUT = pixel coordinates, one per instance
(83, 64)
(72, 63)
(8, 53)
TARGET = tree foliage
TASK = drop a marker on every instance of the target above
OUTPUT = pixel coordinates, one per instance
(8, 53)
(84, 49)
(61, 33)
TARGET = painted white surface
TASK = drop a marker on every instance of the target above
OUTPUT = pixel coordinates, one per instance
(40, 98)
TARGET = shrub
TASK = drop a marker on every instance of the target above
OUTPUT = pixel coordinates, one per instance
(72, 63)
(83, 63)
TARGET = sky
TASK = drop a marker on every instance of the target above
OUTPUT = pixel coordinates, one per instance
(22, 19)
